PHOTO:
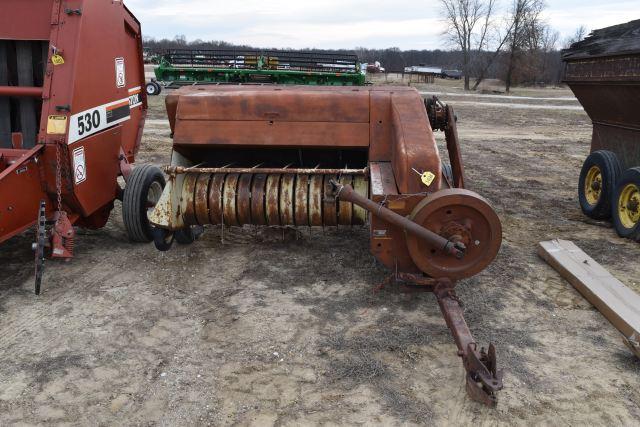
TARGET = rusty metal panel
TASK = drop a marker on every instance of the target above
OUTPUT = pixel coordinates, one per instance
(610, 103)
(266, 133)
(26, 20)
(17, 212)
(380, 126)
(382, 180)
(624, 142)
(296, 104)
(414, 146)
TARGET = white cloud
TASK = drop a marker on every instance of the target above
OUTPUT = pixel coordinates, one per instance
(408, 24)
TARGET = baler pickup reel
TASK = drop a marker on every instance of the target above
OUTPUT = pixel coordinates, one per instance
(335, 157)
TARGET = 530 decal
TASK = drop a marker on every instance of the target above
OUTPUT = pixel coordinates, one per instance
(88, 121)
(96, 119)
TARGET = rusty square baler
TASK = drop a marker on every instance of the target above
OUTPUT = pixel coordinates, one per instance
(300, 156)
(72, 110)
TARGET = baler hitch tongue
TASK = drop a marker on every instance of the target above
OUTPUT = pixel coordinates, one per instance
(346, 193)
(483, 378)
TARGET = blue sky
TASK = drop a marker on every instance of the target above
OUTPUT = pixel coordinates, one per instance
(331, 24)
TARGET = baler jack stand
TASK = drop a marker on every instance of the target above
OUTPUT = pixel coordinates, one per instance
(62, 237)
(483, 379)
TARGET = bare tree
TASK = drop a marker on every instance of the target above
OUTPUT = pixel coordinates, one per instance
(524, 18)
(468, 26)
(549, 44)
(486, 61)
(579, 35)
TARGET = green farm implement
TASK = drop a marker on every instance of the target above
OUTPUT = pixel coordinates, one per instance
(191, 67)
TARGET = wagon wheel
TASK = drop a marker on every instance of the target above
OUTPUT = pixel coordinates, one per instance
(152, 89)
(598, 178)
(626, 205)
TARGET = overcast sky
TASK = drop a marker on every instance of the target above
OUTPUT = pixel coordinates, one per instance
(332, 24)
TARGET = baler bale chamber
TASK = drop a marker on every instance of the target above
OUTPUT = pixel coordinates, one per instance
(302, 156)
(72, 110)
(603, 71)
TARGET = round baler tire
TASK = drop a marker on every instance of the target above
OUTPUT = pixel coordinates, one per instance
(134, 202)
(627, 224)
(609, 171)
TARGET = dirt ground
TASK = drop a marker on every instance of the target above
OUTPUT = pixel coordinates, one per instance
(273, 328)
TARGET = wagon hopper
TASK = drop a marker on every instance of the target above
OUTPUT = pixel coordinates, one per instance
(72, 108)
(604, 73)
(181, 67)
(336, 157)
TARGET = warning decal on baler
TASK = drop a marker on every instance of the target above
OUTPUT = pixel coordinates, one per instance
(96, 119)
(79, 166)
(121, 79)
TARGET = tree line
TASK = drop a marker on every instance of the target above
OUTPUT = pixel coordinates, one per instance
(487, 40)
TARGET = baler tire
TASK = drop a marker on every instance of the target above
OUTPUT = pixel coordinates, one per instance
(158, 86)
(606, 167)
(625, 218)
(135, 200)
(152, 89)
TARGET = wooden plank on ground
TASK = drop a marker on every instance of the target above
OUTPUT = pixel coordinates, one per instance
(619, 304)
